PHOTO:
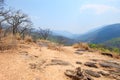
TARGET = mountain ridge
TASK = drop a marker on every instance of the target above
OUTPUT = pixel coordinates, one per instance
(101, 35)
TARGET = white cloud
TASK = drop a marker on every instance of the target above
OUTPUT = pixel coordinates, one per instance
(98, 9)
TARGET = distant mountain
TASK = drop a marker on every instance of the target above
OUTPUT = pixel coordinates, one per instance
(62, 40)
(65, 34)
(115, 42)
(101, 35)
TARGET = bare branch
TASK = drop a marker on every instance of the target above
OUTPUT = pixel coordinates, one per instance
(44, 33)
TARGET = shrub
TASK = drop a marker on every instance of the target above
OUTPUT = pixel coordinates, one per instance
(8, 42)
(81, 45)
(105, 48)
(92, 45)
(55, 46)
(76, 45)
(28, 39)
(18, 37)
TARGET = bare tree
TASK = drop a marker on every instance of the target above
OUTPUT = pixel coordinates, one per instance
(61, 40)
(25, 29)
(2, 3)
(16, 19)
(3, 16)
(44, 33)
(3, 19)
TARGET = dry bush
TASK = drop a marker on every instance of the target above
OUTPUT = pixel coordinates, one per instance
(28, 39)
(81, 45)
(50, 45)
(43, 43)
(18, 37)
(55, 46)
(76, 45)
(8, 42)
(5, 46)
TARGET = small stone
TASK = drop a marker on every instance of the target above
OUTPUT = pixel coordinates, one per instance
(78, 62)
(32, 65)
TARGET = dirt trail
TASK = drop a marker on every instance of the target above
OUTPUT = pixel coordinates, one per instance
(29, 63)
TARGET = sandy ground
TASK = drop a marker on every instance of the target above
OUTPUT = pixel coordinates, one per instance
(31, 63)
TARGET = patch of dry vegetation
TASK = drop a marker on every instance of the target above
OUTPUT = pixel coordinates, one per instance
(11, 42)
(8, 42)
(55, 46)
(28, 39)
(81, 45)
(50, 45)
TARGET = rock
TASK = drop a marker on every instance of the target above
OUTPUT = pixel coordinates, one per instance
(92, 73)
(70, 73)
(103, 73)
(108, 64)
(77, 74)
(58, 62)
(90, 64)
(107, 54)
(113, 67)
(88, 77)
(78, 62)
(115, 72)
(102, 64)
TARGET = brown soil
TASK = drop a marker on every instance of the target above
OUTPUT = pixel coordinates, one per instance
(28, 62)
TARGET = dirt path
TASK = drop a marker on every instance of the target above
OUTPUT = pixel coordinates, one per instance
(29, 63)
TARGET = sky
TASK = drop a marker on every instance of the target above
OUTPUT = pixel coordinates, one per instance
(75, 16)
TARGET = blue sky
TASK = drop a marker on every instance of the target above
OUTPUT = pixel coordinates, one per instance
(76, 16)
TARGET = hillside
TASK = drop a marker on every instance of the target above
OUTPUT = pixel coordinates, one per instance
(103, 34)
(62, 40)
(115, 42)
(31, 61)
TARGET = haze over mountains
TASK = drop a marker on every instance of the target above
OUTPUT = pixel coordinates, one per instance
(65, 34)
(100, 35)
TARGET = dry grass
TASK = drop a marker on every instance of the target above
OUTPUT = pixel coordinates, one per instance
(28, 39)
(81, 45)
(55, 46)
(8, 42)
(76, 45)
(50, 45)
(18, 36)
